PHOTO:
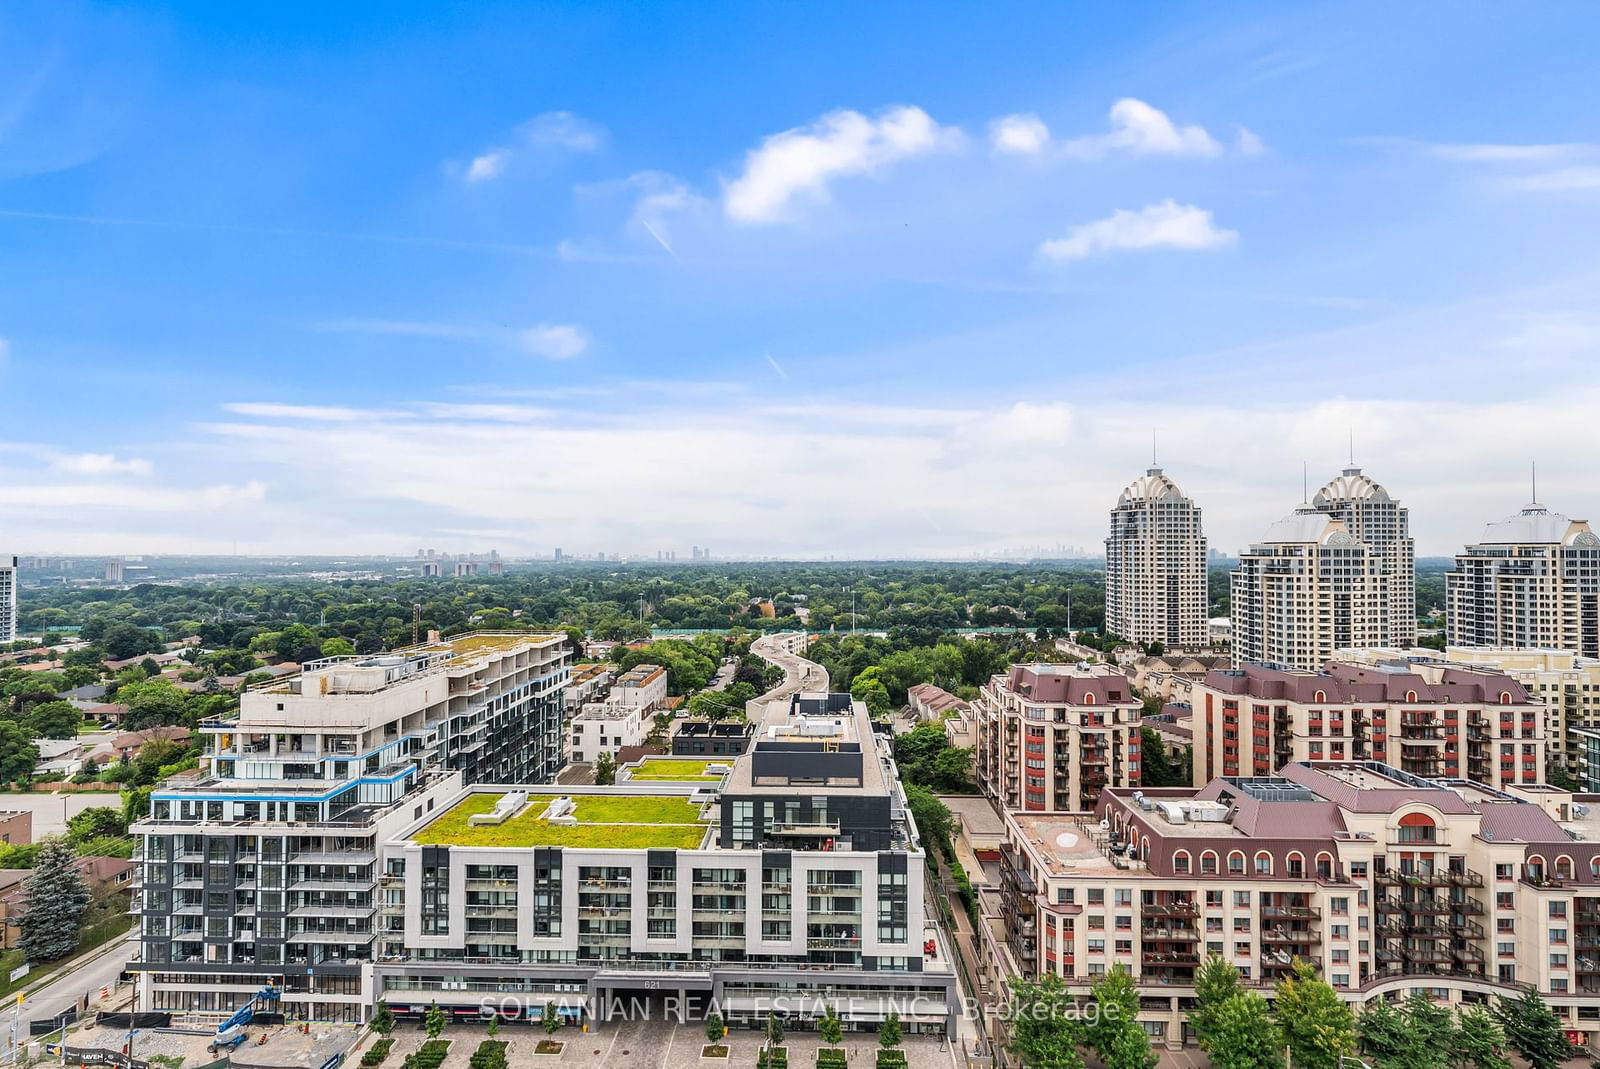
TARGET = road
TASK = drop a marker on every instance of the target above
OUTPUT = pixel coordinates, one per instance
(799, 674)
(64, 992)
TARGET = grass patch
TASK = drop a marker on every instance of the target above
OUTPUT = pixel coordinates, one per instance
(549, 1046)
(617, 821)
(713, 1050)
(663, 768)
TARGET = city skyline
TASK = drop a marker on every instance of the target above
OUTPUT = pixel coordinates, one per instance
(538, 306)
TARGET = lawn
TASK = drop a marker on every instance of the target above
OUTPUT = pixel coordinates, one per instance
(620, 822)
(666, 768)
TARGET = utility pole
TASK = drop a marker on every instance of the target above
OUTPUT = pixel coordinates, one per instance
(416, 622)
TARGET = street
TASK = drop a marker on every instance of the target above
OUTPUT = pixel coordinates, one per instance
(64, 992)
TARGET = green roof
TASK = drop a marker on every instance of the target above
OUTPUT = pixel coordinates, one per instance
(616, 821)
(676, 768)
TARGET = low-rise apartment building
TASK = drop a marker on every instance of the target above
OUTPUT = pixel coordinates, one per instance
(623, 717)
(1387, 883)
(263, 866)
(1052, 736)
(1463, 722)
(794, 879)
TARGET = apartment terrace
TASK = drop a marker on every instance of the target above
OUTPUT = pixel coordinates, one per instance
(423, 659)
(601, 822)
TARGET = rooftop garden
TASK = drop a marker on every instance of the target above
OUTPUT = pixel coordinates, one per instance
(604, 821)
(676, 768)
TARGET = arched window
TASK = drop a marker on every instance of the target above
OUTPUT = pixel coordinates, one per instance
(1208, 863)
(1324, 866)
(1417, 828)
(1088, 699)
(1535, 867)
(1295, 864)
(1563, 867)
(1411, 696)
(1505, 697)
(1180, 862)
(1263, 863)
(1236, 863)
(1594, 865)
(1320, 696)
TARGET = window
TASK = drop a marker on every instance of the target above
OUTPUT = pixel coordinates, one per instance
(1236, 863)
(1208, 863)
(1263, 864)
(1180, 862)
(1241, 900)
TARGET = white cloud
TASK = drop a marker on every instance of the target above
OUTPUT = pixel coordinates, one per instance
(313, 413)
(1021, 134)
(101, 464)
(553, 131)
(554, 341)
(799, 163)
(1141, 130)
(1564, 179)
(489, 165)
(1248, 143)
(1489, 153)
(1167, 225)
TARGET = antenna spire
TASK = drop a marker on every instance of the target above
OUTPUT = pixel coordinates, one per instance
(1533, 478)
(1153, 462)
(1352, 445)
(1305, 484)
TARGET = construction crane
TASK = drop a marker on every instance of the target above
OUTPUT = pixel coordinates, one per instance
(230, 1033)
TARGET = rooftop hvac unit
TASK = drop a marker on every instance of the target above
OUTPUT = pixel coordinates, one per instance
(1579, 809)
(1175, 812)
(1208, 812)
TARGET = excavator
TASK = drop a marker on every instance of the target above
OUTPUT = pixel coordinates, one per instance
(230, 1033)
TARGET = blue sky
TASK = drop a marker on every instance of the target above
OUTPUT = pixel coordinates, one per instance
(784, 279)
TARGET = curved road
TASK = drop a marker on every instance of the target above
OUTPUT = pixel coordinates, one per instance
(799, 674)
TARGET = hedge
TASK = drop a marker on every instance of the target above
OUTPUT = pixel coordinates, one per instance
(375, 1054)
(431, 1054)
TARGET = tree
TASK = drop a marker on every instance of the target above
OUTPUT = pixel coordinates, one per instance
(1044, 1024)
(57, 899)
(1381, 1034)
(774, 1030)
(1114, 1032)
(18, 754)
(714, 1028)
(122, 641)
(1215, 982)
(1242, 1034)
(338, 647)
(54, 720)
(889, 1031)
(605, 770)
(383, 1019)
(433, 1021)
(1317, 1026)
(870, 690)
(1155, 649)
(551, 1020)
(932, 818)
(493, 1028)
(1155, 764)
(831, 1029)
(1533, 1030)
(1479, 1042)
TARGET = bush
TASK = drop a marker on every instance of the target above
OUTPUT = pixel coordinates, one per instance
(891, 1059)
(431, 1054)
(491, 1054)
(776, 1058)
(375, 1054)
(830, 1058)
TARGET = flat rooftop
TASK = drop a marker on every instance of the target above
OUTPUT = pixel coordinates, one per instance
(690, 769)
(1067, 848)
(604, 821)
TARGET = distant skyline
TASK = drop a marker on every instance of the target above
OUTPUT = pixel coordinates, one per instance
(892, 282)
